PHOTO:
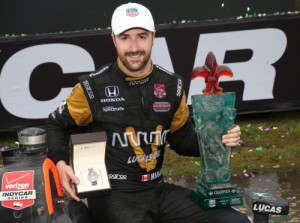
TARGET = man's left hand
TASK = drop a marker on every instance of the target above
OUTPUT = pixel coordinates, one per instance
(232, 138)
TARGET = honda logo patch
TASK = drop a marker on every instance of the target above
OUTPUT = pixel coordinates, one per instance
(112, 91)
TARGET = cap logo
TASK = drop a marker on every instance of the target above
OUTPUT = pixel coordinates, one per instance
(132, 12)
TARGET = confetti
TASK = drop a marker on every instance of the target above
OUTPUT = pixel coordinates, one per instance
(259, 149)
(4, 148)
(197, 163)
(247, 175)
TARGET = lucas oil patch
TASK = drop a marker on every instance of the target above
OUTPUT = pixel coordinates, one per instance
(17, 190)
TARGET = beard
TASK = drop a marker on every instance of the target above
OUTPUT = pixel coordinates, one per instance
(134, 66)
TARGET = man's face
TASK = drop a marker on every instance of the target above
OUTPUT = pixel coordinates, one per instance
(134, 50)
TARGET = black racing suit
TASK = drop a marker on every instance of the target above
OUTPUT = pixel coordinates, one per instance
(139, 115)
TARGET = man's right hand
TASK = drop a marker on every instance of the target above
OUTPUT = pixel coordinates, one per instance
(67, 178)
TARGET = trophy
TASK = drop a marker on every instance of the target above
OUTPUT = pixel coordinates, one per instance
(214, 115)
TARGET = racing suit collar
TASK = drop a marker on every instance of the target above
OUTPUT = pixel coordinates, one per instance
(132, 81)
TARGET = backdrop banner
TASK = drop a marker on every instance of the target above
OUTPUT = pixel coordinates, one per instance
(38, 71)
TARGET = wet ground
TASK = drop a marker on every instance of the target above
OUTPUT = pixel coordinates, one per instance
(285, 185)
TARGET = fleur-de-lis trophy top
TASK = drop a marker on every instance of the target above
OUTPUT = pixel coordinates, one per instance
(211, 72)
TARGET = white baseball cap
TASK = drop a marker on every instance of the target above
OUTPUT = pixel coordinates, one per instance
(129, 16)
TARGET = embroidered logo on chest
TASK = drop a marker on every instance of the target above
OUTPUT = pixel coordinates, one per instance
(159, 90)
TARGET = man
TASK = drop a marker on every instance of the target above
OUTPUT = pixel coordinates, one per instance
(140, 106)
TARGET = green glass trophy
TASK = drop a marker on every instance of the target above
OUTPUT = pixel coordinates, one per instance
(214, 114)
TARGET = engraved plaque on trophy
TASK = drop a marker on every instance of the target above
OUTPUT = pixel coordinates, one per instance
(88, 158)
(214, 115)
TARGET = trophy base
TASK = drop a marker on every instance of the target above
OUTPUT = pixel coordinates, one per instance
(216, 196)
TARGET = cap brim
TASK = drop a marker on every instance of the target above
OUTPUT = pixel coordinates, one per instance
(129, 25)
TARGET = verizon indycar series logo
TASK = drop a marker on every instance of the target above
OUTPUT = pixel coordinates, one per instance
(17, 190)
